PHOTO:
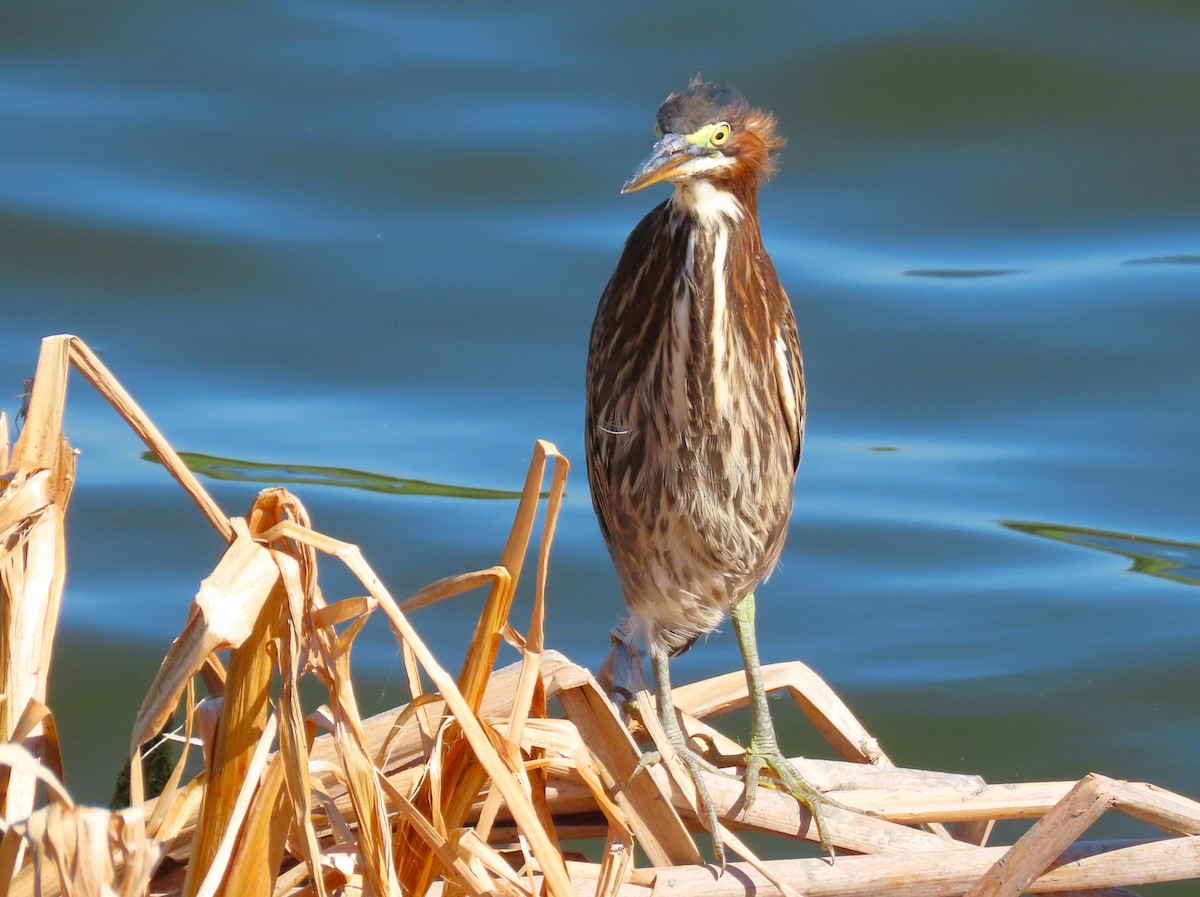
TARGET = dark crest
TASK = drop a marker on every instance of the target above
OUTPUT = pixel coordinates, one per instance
(702, 103)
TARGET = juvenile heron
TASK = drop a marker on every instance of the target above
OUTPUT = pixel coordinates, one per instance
(695, 409)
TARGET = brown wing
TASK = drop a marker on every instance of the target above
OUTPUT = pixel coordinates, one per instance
(789, 379)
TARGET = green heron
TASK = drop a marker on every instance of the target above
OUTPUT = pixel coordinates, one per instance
(695, 410)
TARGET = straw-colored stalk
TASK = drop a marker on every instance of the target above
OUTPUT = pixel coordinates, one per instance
(243, 720)
(38, 477)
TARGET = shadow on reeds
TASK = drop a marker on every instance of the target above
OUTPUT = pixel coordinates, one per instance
(1164, 558)
(235, 469)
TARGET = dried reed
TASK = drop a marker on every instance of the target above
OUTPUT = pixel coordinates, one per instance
(474, 786)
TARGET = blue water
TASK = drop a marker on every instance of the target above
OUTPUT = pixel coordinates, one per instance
(372, 236)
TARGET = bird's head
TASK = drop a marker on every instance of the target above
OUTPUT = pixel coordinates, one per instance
(708, 132)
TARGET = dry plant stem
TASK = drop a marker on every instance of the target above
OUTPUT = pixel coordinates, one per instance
(32, 507)
(400, 751)
(293, 739)
(486, 641)
(17, 761)
(616, 865)
(454, 867)
(230, 841)
(33, 555)
(824, 709)
(163, 822)
(496, 578)
(38, 716)
(502, 777)
(530, 695)
(41, 438)
(93, 369)
(915, 803)
(224, 613)
(776, 811)
(599, 729)
(362, 778)
(402, 747)
(944, 874)
(309, 626)
(87, 850)
(265, 596)
(459, 765)
(1093, 796)
(243, 719)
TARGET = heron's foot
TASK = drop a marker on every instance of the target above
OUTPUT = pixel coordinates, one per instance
(696, 765)
(786, 778)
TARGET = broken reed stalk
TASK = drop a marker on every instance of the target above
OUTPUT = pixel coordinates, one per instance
(245, 706)
(33, 561)
(412, 801)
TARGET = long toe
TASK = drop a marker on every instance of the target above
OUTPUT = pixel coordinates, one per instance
(805, 793)
(696, 767)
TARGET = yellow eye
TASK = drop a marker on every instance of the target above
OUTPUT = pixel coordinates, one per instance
(720, 134)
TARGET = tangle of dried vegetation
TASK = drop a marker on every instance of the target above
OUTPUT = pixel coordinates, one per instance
(474, 786)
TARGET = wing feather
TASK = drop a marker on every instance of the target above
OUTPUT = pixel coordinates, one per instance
(789, 379)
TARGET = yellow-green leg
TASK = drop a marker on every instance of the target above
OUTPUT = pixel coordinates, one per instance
(694, 762)
(764, 748)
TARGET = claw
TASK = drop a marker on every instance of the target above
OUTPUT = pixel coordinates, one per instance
(648, 759)
(695, 765)
(754, 765)
(794, 784)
